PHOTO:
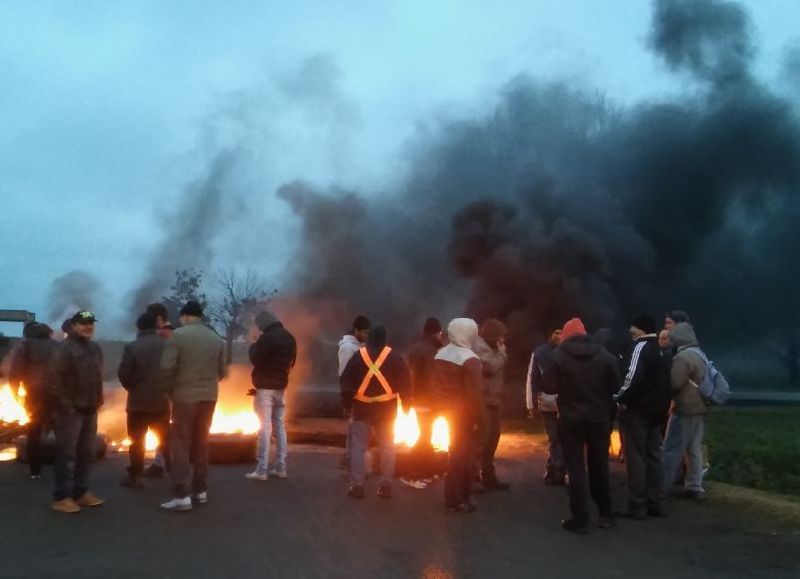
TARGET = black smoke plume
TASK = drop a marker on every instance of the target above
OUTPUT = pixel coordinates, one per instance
(76, 290)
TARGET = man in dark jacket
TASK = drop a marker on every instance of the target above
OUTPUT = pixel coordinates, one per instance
(33, 365)
(77, 395)
(458, 394)
(555, 474)
(643, 405)
(490, 348)
(420, 361)
(273, 356)
(139, 373)
(371, 383)
(585, 376)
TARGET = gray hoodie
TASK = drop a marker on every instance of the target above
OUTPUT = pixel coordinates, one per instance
(687, 368)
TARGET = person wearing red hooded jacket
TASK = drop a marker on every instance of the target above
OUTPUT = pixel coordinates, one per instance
(585, 376)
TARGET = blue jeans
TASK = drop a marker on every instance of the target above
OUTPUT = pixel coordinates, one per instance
(359, 440)
(75, 445)
(684, 436)
(270, 408)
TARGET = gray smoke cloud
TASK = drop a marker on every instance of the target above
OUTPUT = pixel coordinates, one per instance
(73, 291)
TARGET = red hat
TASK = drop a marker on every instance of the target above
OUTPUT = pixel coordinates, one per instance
(573, 327)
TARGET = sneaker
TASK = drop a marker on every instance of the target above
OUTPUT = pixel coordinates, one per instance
(385, 491)
(463, 508)
(89, 500)
(35, 476)
(67, 505)
(356, 492)
(200, 498)
(132, 481)
(574, 526)
(694, 495)
(278, 473)
(153, 471)
(255, 475)
(178, 505)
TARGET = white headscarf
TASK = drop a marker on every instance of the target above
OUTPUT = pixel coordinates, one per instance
(462, 333)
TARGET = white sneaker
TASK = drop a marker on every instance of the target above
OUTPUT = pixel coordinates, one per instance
(200, 498)
(177, 505)
(255, 475)
(277, 473)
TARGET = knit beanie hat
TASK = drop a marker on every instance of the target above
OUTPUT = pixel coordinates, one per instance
(492, 330)
(573, 327)
(645, 322)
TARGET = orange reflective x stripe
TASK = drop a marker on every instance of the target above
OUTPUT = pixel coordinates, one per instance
(374, 370)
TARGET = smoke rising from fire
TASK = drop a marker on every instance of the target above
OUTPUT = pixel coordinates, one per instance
(76, 290)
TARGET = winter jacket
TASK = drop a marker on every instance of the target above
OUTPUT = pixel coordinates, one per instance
(686, 366)
(395, 372)
(34, 362)
(273, 356)
(492, 364)
(139, 372)
(193, 364)
(585, 376)
(420, 363)
(457, 371)
(646, 383)
(541, 359)
(348, 346)
(78, 382)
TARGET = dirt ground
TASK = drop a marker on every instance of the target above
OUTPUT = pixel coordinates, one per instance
(306, 527)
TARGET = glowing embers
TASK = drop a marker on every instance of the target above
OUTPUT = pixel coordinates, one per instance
(12, 408)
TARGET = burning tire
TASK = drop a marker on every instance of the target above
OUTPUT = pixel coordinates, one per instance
(224, 448)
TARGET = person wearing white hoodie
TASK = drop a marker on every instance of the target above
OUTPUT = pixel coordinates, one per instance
(349, 345)
(457, 391)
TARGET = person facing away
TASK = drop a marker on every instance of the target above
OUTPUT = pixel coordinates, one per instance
(163, 326)
(351, 343)
(273, 356)
(490, 347)
(536, 400)
(420, 362)
(686, 425)
(643, 403)
(164, 329)
(585, 376)
(77, 395)
(458, 394)
(192, 365)
(371, 383)
(33, 365)
(139, 372)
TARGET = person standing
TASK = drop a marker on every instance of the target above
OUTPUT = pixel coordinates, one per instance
(490, 347)
(643, 403)
(139, 373)
(164, 329)
(457, 393)
(420, 362)
(686, 425)
(273, 356)
(192, 365)
(585, 376)
(33, 365)
(351, 343)
(371, 383)
(555, 474)
(77, 395)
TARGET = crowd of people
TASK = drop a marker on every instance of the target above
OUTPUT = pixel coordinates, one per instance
(575, 385)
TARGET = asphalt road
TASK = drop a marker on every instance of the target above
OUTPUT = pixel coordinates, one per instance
(306, 527)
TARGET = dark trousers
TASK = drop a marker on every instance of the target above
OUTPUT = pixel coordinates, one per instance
(75, 445)
(641, 437)
(458, 484)
(40, 421)
(188, 442)
(586, 444)
(138, 423)
(490, 439)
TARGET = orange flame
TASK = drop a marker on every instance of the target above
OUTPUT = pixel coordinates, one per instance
(406, 426)
(440, 435)
(12, 408)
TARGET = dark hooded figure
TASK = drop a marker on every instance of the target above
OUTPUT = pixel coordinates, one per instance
(33, 365)
(585, 376)
(371, 382)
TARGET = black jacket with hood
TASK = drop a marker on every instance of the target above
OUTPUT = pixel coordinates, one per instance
(79, 376)
(395, 371)
(273, 356)
(139, 373)
(646, 386)
(585, 376)
(33, 363)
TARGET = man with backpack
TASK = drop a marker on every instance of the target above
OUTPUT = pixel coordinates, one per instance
(687, 418)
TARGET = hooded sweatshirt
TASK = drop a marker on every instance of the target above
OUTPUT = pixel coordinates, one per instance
(585, 376)
(458, 379)
(687, 367)
(348, 346)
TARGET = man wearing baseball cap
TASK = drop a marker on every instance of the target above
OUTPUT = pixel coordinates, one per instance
(77, 395)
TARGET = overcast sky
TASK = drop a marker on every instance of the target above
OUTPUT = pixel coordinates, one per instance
(109, 109)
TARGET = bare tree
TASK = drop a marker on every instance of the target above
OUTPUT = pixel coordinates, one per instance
(234, 297)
